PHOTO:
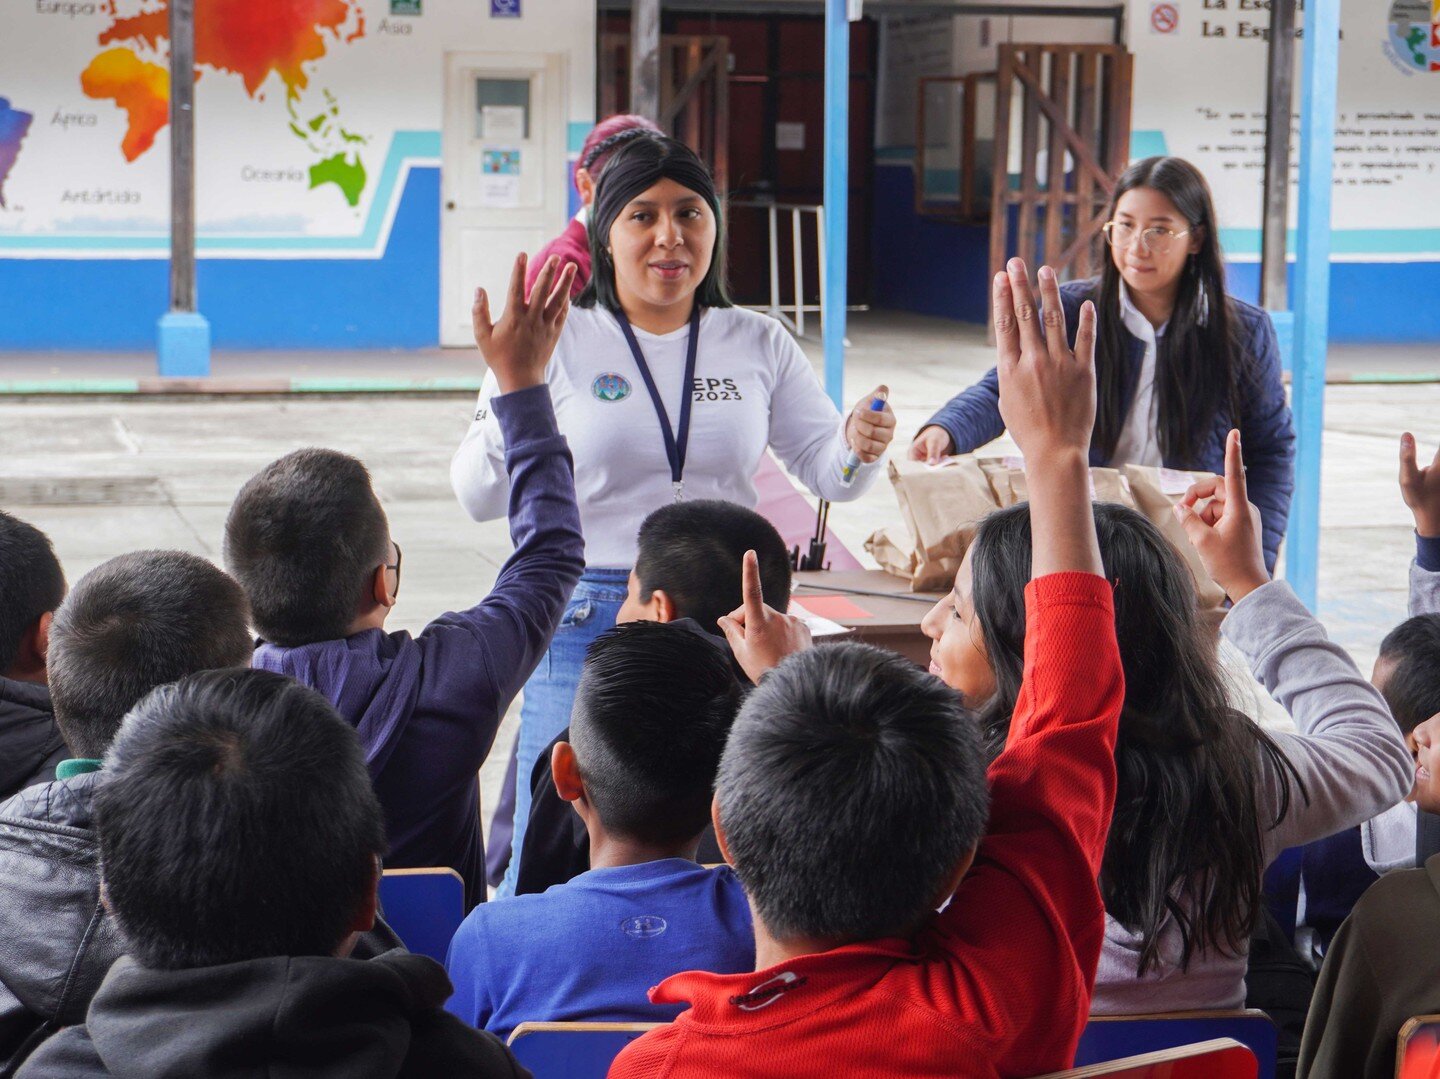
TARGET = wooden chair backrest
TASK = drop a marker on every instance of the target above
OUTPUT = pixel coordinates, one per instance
(1111, 1037)
(572, 1050)
(1417, 1049)
(1220, 1058)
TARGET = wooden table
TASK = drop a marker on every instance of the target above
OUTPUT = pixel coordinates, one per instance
(894, 614)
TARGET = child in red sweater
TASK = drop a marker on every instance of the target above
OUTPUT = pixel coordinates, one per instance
(852, 804)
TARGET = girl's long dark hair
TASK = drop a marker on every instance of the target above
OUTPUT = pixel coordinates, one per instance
(1186, 836)
(636, 167)
(1197, 360)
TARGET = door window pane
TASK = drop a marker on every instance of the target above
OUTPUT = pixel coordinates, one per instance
(504, 94)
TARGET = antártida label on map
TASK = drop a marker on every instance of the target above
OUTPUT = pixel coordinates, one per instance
(100, 197)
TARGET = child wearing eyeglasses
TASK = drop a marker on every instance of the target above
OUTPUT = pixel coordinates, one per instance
(1179, 362)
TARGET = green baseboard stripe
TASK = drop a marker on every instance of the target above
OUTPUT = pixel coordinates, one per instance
(1397, 377)
(26, 386)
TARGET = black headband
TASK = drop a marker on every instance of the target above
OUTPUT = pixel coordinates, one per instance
(604, 146)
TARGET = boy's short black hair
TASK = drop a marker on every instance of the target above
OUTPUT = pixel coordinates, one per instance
(236, 821)
(851, 789)
(31, 583)
(304, 537)
(692, 551)
(652, 711)
(133, 623)
(1413, 688)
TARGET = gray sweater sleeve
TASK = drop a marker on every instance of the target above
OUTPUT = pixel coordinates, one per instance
(1424, 591)
(1348, 752)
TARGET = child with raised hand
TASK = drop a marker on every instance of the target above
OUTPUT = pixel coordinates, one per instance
(852, 801)
(309, 541)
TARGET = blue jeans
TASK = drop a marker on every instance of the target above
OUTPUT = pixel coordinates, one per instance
(550, 693)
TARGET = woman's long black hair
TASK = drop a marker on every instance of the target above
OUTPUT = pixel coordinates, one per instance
(634, 169)
(1186, 836)
(1197, 360)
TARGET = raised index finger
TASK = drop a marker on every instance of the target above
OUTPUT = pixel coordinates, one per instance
(1235, 494)
(1007, 335)
(1053, 313)
(752, 592)
(1027, 315)
(516, 300)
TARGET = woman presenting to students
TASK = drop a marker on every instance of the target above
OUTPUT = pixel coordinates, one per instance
(665, 391)
(1178, 361)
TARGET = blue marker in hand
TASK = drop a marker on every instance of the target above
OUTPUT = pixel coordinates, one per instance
(852, 462)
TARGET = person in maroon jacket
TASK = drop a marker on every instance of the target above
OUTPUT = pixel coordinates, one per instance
(573, 245)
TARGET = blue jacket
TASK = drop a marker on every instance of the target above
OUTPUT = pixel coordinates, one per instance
(427, 708)
(972, 417)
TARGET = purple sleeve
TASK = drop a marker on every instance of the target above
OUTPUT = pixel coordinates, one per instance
(490, 650)
(1427, 553)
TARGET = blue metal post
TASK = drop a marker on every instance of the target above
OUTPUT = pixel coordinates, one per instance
(1312, 289)
(837, 194)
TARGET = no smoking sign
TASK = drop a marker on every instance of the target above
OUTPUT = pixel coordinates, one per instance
(1164, 18)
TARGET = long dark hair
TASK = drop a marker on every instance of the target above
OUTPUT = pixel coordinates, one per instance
(636, 167)
(1186, 836)
(1197, 360)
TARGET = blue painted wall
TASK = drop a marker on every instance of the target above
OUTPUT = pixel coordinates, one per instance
(935, 268)
(112, 304)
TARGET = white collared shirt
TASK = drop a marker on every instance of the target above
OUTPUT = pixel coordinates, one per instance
(1139, 442)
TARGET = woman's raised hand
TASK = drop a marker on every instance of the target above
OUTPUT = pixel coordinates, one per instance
(1225, 530)
(1047, 400)
(518, 346)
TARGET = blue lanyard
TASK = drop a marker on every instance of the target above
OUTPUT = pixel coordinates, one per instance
(676, 442)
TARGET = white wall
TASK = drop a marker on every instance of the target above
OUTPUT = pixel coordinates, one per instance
(378, 76)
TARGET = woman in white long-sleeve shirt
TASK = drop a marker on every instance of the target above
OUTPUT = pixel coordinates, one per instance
(664, 391)
(1205, 799)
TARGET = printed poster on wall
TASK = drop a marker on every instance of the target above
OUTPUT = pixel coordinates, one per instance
(308, 119)
(1387, 141)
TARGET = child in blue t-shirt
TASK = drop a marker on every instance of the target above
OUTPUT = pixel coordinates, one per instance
(651, 716)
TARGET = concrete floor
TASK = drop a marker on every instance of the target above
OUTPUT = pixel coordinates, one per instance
(104, 475)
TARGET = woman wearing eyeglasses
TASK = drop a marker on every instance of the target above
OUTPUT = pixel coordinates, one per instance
(1178, 361)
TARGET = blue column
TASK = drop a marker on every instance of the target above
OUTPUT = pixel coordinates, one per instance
(1311, 300)
(837, 194)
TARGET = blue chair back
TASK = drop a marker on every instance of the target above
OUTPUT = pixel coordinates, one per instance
(1112, 1037)
(424, 907)
(572, 1050)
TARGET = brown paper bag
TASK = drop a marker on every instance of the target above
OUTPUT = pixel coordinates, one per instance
(997, 472)
(895, 551)
(941, 506)
(1156, 490)
(1106, 485)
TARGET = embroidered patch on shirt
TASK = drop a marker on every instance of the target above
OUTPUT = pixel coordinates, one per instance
(610, 387)
(644, 927)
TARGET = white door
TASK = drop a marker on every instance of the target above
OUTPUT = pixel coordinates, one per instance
(504, 187)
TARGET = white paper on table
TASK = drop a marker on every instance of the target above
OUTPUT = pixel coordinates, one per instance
(818, 627)
(503, 123)
(499, 191)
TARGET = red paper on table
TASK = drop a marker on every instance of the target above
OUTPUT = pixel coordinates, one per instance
(835, 608)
